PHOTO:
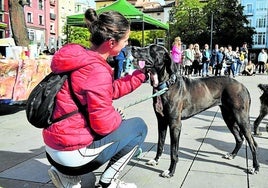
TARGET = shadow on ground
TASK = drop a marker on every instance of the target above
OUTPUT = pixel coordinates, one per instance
(6, 109)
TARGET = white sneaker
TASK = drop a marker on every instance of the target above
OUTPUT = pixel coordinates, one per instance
(120, 184)
(61, 180)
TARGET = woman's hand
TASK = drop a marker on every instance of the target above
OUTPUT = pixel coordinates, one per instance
(143, 69)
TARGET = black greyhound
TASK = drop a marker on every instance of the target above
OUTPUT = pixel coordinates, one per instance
(263, 108)
(187, 97)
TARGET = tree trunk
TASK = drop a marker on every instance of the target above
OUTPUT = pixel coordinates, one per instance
(18, 24)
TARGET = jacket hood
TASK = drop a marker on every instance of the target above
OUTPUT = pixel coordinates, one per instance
(72, 57)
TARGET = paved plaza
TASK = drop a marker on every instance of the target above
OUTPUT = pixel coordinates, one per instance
(204, 140)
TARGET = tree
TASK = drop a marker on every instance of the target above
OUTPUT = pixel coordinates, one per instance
(230, 26)
(191, 20)
(81, 36)
(18, 24)
(78, 35)
(187, 21)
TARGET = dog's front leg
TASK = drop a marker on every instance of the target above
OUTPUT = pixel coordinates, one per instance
(162, 131)
(263, 113)
(175, 131)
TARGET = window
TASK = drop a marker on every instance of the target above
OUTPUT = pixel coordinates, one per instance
(78, 8)
(29, 17)
(2, 17)
(249, 9)
(52, 28)
(2, 33)
(260, 23)
(31, 35)
(40, 5)
(29, 2)
(261, 5)
(259, 38)
(2, 5)
(41, 20)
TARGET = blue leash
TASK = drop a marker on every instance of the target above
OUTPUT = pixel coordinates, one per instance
(158, 93)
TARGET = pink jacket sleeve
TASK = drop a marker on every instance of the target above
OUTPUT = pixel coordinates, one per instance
(100, 92)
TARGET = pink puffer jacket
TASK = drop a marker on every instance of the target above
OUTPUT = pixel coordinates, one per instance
(92, 81)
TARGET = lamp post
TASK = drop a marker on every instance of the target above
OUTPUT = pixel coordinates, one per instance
(211, 31)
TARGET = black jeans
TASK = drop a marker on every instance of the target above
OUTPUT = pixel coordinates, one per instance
(261, 66)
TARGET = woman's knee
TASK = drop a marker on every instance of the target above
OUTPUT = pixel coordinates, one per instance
(140, 125)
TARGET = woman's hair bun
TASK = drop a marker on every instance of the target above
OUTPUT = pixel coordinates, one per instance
(90, 16)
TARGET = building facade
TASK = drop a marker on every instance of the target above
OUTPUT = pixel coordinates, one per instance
(42, 23)
(4, 19)
(67, 8)
(257, 15)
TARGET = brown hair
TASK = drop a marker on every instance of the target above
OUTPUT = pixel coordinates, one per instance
(107, 25)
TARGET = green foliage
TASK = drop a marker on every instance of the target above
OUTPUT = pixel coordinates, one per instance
(81, 36)
(149, 36)
(78, 35)
(188, 21)
(229, 23)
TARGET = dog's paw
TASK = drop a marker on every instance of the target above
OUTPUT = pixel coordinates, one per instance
(152, 162)
(166, 174)
(257, 133)
(253, 171)
(229, 156)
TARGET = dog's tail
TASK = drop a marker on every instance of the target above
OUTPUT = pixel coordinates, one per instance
(263, 87)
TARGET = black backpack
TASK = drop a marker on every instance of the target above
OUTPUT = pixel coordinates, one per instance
(41, 101)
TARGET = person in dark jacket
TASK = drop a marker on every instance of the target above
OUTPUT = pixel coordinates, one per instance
(206, 55)
(219, 61)
(81, 144)
(120, 60)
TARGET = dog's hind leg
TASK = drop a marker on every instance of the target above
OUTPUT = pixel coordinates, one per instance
(253, 147)
(230, 121)
(162, 131)
(242, 129)
(245, 129)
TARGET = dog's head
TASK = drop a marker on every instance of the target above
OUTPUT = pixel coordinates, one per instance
(264, 87)
(157, 62)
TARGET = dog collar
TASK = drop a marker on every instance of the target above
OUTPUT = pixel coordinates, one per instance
(168, 83)
(162, 86)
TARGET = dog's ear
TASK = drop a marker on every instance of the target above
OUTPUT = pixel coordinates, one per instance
(263, 87)
(168, 63)
(161, 55)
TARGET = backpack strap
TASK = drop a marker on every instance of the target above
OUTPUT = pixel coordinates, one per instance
(81, 108)
(65, 116)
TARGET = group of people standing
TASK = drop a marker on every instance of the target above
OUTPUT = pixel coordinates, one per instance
(194, 61)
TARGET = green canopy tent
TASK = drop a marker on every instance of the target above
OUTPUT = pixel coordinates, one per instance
(138, 20)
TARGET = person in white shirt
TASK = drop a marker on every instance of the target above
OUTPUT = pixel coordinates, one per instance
(262, 60)
(189, 58)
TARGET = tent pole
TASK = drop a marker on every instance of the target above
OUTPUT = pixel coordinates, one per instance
(142, 31)
(67, 34)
